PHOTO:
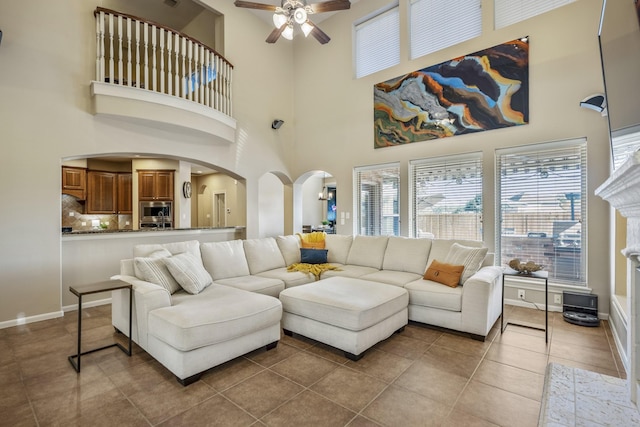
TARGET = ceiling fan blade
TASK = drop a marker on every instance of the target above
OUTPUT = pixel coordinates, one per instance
(275, 34)
(330, 6)
(254, 5)
(320, 35)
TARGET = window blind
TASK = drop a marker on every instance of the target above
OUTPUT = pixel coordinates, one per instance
(508, 12)
(541, 196)
(377, 190)
(377, 42)
(446, 197)
(438, 24)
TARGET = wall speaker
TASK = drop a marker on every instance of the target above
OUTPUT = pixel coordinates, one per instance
(0, 36)
(596, 102)
(277, 123)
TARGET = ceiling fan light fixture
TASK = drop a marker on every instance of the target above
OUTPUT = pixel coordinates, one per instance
(306, 28)
(288, 32)
(279, 20)
(300, 15)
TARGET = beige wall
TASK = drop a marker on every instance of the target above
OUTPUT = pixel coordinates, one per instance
(334, 110)
(46, 70)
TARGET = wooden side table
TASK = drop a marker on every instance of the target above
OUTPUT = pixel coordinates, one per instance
(542, 275)
(94, 288)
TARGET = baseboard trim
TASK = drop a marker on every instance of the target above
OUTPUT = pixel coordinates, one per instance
(74, 307)
(30, 319)
(52, 315)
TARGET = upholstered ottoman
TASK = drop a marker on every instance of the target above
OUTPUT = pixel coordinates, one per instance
(346, 313)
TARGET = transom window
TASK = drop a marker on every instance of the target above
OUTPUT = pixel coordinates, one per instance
(508, 12)
(438, 24)
(377, 41)
(446, 197)
(377, 200)
(541, 193)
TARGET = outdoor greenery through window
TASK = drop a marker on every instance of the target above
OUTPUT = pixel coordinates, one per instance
(377, 200)
(377, 42)
(438, 24)
(446, 197)
(541, 193)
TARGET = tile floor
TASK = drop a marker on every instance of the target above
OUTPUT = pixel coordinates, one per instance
(421, 377)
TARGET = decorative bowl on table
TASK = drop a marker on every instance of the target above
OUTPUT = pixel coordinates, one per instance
(524, 268)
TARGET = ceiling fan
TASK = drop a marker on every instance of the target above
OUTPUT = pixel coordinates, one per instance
(292, 12)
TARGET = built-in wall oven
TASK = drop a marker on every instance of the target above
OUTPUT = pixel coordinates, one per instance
(156, 214)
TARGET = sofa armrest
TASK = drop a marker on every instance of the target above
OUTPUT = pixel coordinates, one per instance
(482, 300)
(146, 297)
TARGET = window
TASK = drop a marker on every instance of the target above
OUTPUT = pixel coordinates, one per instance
(509, 12)
(541, 206)
(377, 190)
(446, 197)
(437, 24)
(377, 42)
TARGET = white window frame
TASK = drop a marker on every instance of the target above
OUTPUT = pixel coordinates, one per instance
(509, 12)
(437, 24)
(376, 41)
(442, 188)
(541, 211)
(381, 215)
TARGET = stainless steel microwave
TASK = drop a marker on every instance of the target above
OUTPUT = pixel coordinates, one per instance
(156, 214)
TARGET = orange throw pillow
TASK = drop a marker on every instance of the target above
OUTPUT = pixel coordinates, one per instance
(447, 274)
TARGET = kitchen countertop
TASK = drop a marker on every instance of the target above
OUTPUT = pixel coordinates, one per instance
(148, 230)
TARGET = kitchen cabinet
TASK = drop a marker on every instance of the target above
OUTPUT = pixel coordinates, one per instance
(155, 185)
(101, 192)
(125, 193)
(74, 182)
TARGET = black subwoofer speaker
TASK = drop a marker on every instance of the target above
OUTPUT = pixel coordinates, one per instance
(580, 309)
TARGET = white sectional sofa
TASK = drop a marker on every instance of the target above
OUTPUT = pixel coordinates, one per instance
(240, 311)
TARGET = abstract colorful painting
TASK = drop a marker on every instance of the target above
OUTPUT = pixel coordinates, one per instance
(477, 92)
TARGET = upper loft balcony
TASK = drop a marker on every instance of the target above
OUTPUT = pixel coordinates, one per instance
(154, 74)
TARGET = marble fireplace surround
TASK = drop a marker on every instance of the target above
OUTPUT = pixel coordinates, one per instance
(622, 191)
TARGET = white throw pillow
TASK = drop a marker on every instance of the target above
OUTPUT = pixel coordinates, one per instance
(188, 272)
(471, 258)
(152, 269)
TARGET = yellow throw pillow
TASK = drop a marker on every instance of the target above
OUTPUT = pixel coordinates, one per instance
(314, 240)
(447, 274)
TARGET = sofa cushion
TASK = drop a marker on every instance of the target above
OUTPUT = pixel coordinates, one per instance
(368, 251)
(338, 246)
(263, 254)
(188, 272)
(391, 277)
(313, 256)
(192, 246)
(290, 278)
(405, 254)
(261, 285)
(470, 258)
(349, 271)
(224, 259)
(191, 322)
(152, 269)
(447, 274)
(431, 294)
(290, 248)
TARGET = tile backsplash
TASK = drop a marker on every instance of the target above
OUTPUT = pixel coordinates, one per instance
(73, 216)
